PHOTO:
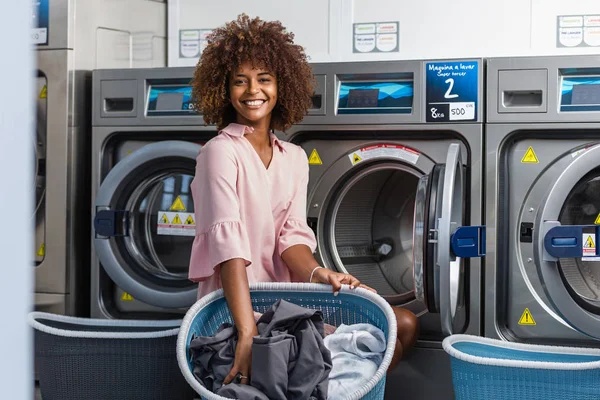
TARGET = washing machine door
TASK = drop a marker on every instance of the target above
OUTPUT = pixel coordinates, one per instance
(440, 242)
(565, 238)
(144, 224)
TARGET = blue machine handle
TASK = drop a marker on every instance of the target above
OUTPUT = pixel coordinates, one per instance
(567, 241)
(106, 223)
(468, 242)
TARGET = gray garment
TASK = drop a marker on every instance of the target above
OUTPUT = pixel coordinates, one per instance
(289, 357)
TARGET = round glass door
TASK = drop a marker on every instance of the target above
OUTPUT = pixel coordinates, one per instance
(145, 223)
(581, 276)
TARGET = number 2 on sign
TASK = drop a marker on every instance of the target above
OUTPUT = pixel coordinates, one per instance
(447, 95)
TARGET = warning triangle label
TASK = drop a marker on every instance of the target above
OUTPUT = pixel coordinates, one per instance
(189, 220)
(44, 92)
(530, 157)
(126, 297)
(42, 250)
(526, 318)
(177, 205)
(164, 219)
(176, 220)
(597, 221)
(356, 159)
(314, 158)
(589, 243)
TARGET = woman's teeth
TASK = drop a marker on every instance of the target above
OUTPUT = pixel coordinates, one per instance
(254, 102)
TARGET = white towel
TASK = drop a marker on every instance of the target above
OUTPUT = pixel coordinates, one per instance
(356, 351)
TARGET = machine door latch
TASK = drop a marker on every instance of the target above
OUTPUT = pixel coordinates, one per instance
(468, 242)
(526, 232)
(111, 223)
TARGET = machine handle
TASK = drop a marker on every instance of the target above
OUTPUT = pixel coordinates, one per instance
(108, 222)
(468, 242)
(570, 241)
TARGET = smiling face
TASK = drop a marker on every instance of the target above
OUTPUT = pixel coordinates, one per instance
(253, 94)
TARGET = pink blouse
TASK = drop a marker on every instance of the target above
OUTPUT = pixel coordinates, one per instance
(244, 210)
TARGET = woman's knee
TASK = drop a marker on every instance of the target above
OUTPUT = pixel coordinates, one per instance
(408, 326)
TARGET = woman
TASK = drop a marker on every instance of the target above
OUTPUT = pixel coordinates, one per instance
(250, 188)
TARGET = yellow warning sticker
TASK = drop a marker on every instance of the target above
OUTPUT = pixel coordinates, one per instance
(189, 220)
(530, 157)
(589, 247)
(176, 220)
(44, 92)
(42, 250)
(164, 219)
(314, 158)
(126, 297)
(597, 221)
(356, 159)
(177, 205)
(526, 318)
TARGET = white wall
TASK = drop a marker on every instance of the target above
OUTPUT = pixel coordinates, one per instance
(428, 28)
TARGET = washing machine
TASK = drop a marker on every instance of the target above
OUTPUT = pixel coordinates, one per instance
(61, 204)
(146, 136)
(395, 195)
(543, 200)
(61, 189)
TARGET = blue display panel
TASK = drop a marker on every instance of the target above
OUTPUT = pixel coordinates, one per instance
(376, 97)
(167, 100)
(579, 92)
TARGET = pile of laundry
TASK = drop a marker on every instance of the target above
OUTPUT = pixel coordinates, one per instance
(294, 357)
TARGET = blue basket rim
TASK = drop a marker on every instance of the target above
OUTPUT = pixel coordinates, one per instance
(448, 345)
(164, 328)
(288, 287)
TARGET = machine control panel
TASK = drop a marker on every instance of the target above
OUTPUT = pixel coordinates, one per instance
(391, 94)
(169, 100)
(579, 90)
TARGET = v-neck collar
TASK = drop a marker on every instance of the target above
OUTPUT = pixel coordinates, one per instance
(239, 130)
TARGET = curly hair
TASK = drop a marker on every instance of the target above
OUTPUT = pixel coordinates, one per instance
(265, 44)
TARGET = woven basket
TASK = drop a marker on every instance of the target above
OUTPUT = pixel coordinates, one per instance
(80, 358)
(351, 306)
(490, 369)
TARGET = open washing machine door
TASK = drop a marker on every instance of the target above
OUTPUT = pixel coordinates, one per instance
(440, 242)
(565, 239)
(144, 225)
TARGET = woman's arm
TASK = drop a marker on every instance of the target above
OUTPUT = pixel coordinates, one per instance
(237, 293)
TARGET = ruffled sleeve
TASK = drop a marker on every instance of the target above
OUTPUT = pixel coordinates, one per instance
(295, 229)
(220, 232)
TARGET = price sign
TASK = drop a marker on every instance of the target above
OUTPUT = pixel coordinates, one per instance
(452, 91)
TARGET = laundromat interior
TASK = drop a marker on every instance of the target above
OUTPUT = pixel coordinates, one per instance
(453, 154)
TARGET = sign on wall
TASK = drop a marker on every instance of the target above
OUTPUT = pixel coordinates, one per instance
(578, 31)
(375, 37)
(192, 42)
(39, 26)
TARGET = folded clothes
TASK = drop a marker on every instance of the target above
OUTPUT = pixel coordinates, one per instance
(356, 351)
(289, 357)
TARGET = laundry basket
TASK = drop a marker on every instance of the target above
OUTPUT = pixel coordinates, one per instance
(351, 306)
(490, 369)
(79, 358)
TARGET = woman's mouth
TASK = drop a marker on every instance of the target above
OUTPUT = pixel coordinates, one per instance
(254, 104)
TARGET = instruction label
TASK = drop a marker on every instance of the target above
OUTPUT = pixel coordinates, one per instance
(526, 318)
(176, 223)
(452, 91)
(384, 150)
(39, 26)
(589, 245)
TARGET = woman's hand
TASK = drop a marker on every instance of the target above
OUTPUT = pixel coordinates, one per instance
(336, 280)
(243, 361)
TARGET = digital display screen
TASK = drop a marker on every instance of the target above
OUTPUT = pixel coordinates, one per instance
(170, 100)
(580, 94)
(391, 97)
